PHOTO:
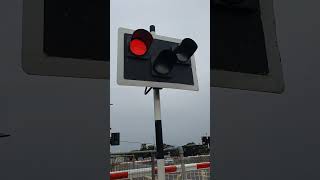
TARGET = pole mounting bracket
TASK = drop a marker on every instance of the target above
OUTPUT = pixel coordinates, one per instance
(146, 90)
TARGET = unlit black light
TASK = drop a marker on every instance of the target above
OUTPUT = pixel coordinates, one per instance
(140, 42)
(115, 139)
(164, 62)
(186, 49)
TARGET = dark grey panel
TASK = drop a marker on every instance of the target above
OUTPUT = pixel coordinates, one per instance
(59, 40)
(239, 43)
(77, 29)
(245, 52)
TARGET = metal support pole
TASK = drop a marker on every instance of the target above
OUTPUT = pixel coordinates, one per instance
(183, 169)
(159, 140)
(153, 167)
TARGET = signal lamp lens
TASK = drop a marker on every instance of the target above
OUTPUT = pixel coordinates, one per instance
(141, 41)
(137, 47)
(164, 62)
(186, 49)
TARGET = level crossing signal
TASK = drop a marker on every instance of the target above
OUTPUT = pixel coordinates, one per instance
(149, 60)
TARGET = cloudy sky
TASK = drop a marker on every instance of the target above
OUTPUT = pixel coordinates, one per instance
(185, 114)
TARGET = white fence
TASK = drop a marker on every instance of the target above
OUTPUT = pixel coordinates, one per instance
(180, 169)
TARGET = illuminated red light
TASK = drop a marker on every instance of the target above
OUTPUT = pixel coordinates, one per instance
(138, 47)
(140, 43)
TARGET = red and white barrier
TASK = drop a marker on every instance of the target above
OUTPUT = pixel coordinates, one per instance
(134, 173)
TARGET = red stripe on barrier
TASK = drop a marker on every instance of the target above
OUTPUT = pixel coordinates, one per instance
(168, 169)
(119, 175)
(203, 165)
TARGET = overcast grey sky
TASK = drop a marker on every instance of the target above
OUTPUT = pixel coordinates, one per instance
(185, 114)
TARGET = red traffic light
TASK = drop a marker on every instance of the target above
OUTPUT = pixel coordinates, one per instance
(138, 47)
(140, 42)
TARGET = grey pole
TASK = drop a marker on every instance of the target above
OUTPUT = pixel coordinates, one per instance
(159, 140)
(158, 127)
(183, 169)
(153, 167)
